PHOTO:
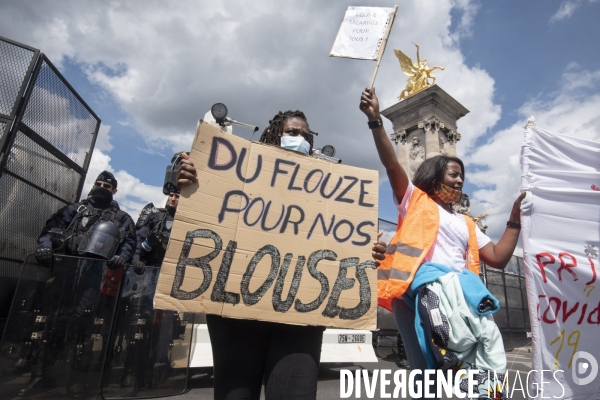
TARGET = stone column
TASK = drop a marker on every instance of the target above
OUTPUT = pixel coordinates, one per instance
(425, 126)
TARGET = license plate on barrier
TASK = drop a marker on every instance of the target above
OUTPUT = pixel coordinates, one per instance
(349, 338)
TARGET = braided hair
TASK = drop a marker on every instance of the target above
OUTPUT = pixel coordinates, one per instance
(272, 133)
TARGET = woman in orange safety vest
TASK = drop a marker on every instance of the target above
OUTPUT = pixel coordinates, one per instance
(429, 230)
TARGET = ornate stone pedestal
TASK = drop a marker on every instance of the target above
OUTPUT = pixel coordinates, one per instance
(425, 126)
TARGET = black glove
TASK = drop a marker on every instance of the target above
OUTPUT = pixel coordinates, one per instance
(116, 262)
(43, 255)
(138, 267)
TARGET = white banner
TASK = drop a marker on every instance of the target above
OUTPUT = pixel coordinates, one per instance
(361, 33)
(561, 237)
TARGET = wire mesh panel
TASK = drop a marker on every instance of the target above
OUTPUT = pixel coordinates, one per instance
(3, 128)
(513, 266)
(47, 133)
(34, 164)
(22, 216)
(15, 63)
(56, 113)
(47, 151)
(501, 316)
(508, 286)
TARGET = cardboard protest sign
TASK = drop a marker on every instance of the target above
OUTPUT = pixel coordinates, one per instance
(274, 235)
(561, 237)
(362, 33)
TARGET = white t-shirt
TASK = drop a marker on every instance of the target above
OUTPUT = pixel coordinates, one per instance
(453, 236)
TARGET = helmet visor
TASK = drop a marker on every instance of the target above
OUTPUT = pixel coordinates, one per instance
(98, 244)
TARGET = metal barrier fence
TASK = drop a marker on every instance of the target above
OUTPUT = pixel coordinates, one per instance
(508, 286)
(47, 134)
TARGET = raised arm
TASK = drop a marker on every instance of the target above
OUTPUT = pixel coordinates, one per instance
(418, 58)
(498, 255)
(369, 104)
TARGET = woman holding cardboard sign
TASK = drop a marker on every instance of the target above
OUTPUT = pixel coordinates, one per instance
(431, 238)
(248, 353)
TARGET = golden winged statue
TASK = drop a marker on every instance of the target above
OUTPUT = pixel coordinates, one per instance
(479, 221)
(418, 73)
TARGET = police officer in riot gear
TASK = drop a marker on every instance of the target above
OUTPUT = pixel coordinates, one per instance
(92, 228)
(153, 227)
(153, 232)
(146, 354)
(68, 226)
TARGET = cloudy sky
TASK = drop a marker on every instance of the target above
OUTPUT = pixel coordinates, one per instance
(151, 69)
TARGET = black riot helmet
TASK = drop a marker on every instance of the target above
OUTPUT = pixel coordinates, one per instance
(101, 241)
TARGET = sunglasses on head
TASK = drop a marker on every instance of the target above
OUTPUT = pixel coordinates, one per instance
(103, 184)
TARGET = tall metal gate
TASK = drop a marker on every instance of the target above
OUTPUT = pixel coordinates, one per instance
(47, 134)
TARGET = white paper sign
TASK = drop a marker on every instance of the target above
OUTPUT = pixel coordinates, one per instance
(561, 237)
(361, 33)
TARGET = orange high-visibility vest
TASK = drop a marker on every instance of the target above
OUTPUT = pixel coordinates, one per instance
(413, 239)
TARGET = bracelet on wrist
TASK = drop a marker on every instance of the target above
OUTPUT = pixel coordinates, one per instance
(375, 123)
(513, 225)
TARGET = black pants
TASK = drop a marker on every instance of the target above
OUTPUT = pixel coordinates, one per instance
(247, 353)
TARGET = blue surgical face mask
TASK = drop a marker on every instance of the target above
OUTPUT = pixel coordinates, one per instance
(297, 143)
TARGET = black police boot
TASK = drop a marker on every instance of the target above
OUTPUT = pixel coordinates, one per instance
(77, 383)
(130, 383)
(37, 384)
(19, 367)
(402, 361)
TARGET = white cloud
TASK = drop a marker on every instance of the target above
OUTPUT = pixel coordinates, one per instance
(103, 139)
(571, 110)
(469, 11)
(166, 62)
(132, 195)
(567, 8)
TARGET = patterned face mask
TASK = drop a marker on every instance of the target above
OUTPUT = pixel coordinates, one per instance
(448, 195)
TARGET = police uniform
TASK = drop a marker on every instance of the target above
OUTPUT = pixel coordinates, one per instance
(158, 328)
(153, 231)
(76, 219)
(67, 233)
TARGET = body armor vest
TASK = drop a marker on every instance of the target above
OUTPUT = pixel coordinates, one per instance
(86, 217)
(158, 238)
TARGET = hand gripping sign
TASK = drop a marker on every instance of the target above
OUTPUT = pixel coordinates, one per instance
(273, 235)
